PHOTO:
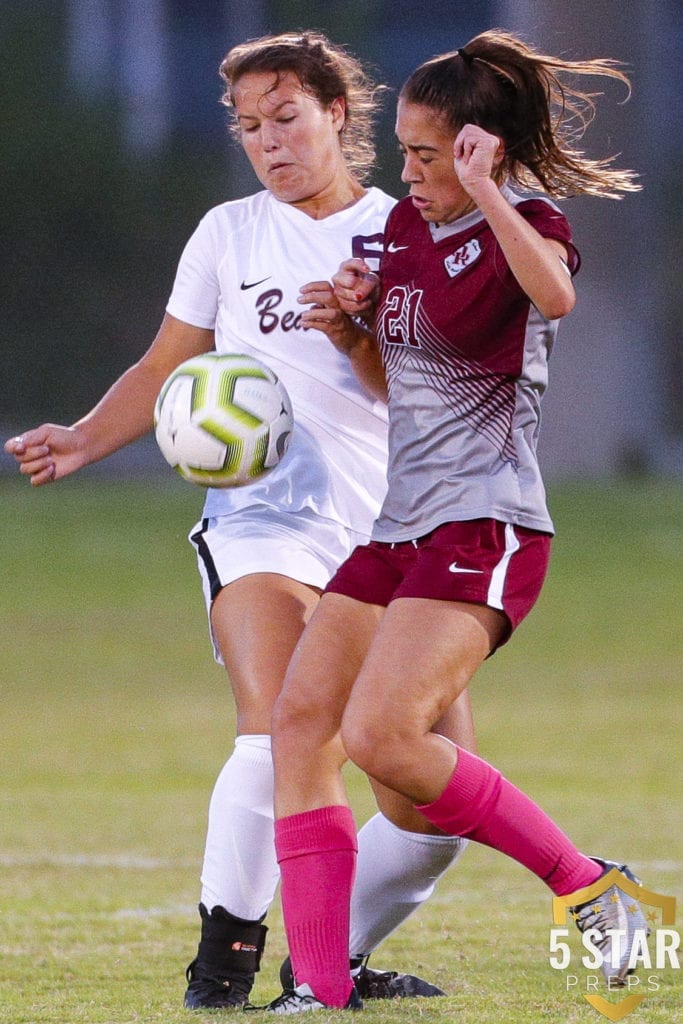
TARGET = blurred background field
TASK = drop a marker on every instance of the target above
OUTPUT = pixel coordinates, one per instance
(116, 145)
(115, 722)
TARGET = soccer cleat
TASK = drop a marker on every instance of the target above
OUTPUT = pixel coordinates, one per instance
(372, 984)
(617, 912)
(210, 991)
(229, 954)
(302, 1000)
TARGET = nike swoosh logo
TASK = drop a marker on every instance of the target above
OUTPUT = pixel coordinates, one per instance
(252, 284)
(392, 247)
(454, 567)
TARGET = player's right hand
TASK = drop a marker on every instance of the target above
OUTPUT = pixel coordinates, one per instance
(47, 453)
(355, 287)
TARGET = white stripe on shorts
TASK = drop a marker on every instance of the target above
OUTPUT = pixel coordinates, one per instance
(494, 597)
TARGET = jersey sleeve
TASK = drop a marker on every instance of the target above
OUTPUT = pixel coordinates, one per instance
(550, 222)
(393, 218)
(196, 291)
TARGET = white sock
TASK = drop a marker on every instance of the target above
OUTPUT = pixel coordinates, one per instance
(240, 872)
(396, 872)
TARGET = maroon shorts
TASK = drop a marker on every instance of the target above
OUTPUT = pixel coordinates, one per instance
(480, 561)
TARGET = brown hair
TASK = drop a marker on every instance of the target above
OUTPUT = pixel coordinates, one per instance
(509, 89)
(326, 71)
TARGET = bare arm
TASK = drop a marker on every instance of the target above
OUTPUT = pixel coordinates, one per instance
(353, 339)
(538, 263)
(50, 452)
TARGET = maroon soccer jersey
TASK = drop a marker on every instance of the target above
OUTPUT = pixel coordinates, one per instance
(466, 356)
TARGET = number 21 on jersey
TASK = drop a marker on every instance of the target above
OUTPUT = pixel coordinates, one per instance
(399, 315)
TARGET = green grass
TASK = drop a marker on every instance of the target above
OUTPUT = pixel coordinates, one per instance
(115, 722)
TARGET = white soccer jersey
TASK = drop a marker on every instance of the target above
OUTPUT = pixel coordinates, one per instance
(240, 274)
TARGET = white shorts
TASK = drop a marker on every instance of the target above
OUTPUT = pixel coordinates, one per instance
(301, 545)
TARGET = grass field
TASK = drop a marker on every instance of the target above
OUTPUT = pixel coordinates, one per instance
(115, 722)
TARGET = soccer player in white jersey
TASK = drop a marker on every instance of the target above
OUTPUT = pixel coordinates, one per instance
(472, 283)
(303, 113)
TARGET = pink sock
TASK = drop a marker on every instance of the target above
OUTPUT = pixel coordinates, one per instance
(316, 852)
(479, 803)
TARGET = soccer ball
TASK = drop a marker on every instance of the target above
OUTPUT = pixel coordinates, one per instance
(223, 420)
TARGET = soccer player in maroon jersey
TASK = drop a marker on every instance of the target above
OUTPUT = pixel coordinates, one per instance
(476, 273)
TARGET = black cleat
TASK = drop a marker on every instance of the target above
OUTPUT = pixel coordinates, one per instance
(372, 984)
(392, 985)
(209, 991)
(222, 974)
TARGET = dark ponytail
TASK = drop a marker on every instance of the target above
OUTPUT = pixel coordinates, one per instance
(509, 89)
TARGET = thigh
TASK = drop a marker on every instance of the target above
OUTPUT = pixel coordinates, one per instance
(262, 572)
(326, 663)
(257, 622)
(307, 748)
(421, 660)
(423, 657)
(257, 540)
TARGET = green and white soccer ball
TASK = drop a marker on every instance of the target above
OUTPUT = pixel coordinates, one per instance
(223, 420)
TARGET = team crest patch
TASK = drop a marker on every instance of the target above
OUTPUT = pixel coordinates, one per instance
(462, 257)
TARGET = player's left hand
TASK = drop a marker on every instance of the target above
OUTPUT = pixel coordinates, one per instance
(476, 153)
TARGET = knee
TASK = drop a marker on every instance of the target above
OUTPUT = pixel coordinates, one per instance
(302, 729)
(292, 718)
(368, 744)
